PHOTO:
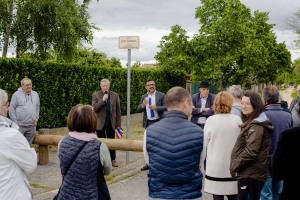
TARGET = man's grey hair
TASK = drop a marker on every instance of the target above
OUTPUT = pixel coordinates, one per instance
(270, 94)
(27, 79)
(105, 80)
(236, 90)
(3, 97)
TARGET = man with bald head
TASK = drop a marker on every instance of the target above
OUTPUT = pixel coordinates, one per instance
(281, 121)
(294, 107)
(172, 148)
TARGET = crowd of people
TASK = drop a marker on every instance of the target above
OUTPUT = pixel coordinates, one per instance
(243, 143)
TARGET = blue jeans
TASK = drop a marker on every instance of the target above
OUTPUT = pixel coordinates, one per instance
(150, 198)
(271, 189)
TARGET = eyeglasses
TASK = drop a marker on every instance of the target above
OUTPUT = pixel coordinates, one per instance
(27, 85)
(150, 85)
(7, 104)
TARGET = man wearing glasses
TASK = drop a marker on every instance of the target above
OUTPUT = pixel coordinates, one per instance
(153, 105)
(25, 108)
(293, 108)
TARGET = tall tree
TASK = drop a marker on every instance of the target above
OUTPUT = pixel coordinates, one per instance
(40, 25)
(296, 65)
(224, 30)
(293, 22)
(175, 53)
(232, 46)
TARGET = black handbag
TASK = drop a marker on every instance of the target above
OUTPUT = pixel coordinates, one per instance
(70, 164)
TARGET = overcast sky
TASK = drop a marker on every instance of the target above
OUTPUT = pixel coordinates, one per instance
(150, 20)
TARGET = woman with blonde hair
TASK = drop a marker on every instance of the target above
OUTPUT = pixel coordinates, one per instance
(220, 133)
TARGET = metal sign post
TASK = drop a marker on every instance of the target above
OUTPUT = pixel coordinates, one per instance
(128, 102)
(128, 42)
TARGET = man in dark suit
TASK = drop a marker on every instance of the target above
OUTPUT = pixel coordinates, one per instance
(153, 105)
(203, 105)
(106, 105)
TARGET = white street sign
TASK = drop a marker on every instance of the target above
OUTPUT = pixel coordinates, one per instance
(129, 42)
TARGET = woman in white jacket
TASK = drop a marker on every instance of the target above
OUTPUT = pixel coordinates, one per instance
(220, 133)
(16, 159)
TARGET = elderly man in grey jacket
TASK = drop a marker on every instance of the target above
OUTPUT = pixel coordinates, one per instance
(237, 93)
(25, 108)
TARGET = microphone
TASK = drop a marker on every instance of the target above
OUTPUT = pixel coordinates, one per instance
(106, 99)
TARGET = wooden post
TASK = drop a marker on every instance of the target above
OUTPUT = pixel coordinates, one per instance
(112, 144)
(43, 154)
(43, 149)
(188, 83)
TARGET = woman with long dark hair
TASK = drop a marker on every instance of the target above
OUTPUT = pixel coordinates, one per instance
(249, 157)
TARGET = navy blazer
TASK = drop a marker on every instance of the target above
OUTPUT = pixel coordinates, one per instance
(197, 103)
(159, 103)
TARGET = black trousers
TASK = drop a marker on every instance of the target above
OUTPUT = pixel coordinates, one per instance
(108, 132)
(248, 186)
(221, 197)
(150, 122)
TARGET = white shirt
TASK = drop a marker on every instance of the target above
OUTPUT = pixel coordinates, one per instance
(16, 159)
(153, 100)
(146, 155)
(202, 120)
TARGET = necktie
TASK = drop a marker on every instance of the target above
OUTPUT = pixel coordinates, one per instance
(151, 111)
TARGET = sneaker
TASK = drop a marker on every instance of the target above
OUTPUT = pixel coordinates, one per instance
(145, 167)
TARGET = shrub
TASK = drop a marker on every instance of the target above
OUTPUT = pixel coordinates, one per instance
(61, 86)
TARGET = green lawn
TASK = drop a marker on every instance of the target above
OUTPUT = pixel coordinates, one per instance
(283, 89)
(294, 94)
(136, 131)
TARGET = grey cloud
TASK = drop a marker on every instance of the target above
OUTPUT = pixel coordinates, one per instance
(138, 15)
(120, 14)
(109, 46)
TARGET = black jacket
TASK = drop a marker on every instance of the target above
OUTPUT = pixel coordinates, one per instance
(285, 163)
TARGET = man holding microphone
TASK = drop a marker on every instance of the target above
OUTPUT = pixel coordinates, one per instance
(153, 105)
(106, 105)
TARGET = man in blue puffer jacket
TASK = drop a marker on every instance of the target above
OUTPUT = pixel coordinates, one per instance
(172, 149)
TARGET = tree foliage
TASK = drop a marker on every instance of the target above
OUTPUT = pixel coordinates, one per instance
(232, 46)
(175, 51)
(137, 64)
(296, 66)
(83, 56)
(293, 22)
(37, 26)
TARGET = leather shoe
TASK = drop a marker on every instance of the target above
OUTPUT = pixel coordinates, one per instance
(145, 167)
(114, 163)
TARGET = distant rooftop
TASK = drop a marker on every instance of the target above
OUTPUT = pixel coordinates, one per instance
(148, 65)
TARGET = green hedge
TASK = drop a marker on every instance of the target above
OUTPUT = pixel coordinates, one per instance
(61, 86)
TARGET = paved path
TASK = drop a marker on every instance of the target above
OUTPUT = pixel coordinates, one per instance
(286, 95)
